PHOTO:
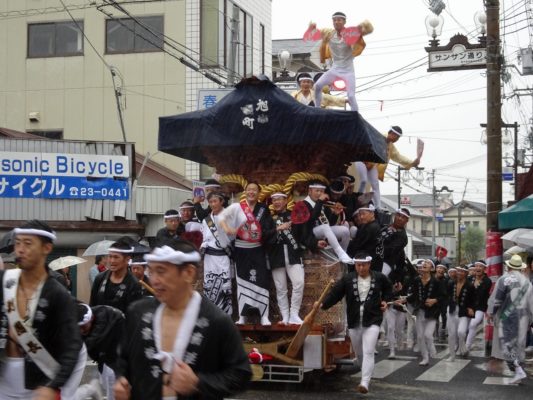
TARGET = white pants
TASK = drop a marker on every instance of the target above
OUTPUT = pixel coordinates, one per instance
(364, 345)
(366, 176)
(457, 328)
(395, 324)
(107, 378)
(425, 328)
(296, 275)
(12, 380)
(411, 330)
(472, 328)
(68, 392)
(330, 76)
(337, 236)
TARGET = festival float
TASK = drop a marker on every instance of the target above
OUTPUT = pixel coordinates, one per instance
(260, 133)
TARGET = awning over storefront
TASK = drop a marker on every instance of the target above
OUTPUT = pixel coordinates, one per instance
(519, 215)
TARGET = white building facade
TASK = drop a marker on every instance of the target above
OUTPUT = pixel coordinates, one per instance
(60, 67)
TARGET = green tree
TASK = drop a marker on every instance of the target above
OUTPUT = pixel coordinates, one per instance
(472, 242)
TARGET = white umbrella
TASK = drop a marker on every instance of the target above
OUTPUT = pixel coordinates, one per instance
(521, 237)
(98, 249)
(64, 262)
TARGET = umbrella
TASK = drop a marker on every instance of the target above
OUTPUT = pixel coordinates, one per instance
(519, 215)
(99, 248)
(64, 262)
(514, 250)
(7, 243)
(521, 237)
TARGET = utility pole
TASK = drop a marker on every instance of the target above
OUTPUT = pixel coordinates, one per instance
(459, 218)
(494, 133)
(399, 187)
(433, 199)
(233, 47)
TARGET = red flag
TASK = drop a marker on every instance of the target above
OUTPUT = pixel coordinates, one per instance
(312, 33)
(441, 252)
(351, 35)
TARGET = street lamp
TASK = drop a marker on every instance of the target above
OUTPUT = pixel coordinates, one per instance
(419, 178)
(284, 59)
(435, 191)
(434, 25)
(480, 19)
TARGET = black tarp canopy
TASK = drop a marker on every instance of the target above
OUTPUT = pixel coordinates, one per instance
(257, 114)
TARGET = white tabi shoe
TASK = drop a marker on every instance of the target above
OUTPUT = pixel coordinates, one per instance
(241, 321)
(392, 355)
(295, 319)
(424, 362)
(362, 388)
(519, 374)
(265, 321)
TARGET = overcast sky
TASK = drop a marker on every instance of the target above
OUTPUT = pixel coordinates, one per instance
(442, 108)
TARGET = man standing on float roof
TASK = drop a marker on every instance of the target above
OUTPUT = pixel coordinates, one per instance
(334, 46)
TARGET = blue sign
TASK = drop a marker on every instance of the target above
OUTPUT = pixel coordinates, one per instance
(507, 176)
(63, 187)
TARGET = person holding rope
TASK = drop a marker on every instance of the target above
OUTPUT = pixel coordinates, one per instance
(367, 293)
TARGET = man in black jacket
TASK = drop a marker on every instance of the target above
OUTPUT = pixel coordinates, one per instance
(102, 328)
(170, 231)
(367, 236)
(179, 343)
(39, 337)
(285, 257)
(116, 287)
(320, 230)
(367, 293)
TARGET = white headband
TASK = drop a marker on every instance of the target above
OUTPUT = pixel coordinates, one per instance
(115, 250)
(317, 186)
(399, 211)
(36, 232)
(131, 262)
(278, 194)
(395, 131)
(369, 208)
(171, 216)
(305, 78)
(184, 207)
(363, 260)
(430, 261)
(338, 15)
(168, 254)
(212, 185)
(87, 316)
(452, 269)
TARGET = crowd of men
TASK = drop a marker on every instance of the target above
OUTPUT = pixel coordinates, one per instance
(153, 336)
(151, 333)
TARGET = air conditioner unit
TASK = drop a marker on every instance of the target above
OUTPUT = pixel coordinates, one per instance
(34, 116)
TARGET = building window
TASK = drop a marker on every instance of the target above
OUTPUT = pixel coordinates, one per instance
(49, 134)
(446, 228)
(217, 19)
(55, 39)
(126, 35)
(476, 224)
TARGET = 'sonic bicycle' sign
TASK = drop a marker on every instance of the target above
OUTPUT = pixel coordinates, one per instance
(64, 176)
